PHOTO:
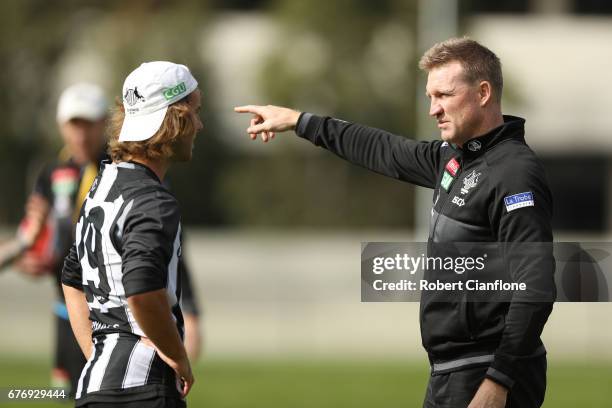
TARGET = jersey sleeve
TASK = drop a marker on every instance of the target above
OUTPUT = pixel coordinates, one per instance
(71, 272)
(375, 149)
(147, 242)
(521, 212)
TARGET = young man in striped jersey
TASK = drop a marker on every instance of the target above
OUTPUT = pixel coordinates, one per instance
(120, 279)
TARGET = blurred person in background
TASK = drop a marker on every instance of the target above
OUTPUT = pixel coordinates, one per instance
(488, 187)
(46, 233)
(121, 278)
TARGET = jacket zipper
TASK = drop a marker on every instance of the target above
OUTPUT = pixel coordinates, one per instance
(448, 199)
(468, 317)
(467, 310)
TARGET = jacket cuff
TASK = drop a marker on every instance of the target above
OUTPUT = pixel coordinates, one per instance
(501, 373)
(307, 126)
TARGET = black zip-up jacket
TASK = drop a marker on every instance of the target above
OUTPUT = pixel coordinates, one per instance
(493, 190)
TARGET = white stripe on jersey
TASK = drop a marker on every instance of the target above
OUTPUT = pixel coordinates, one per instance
(133, 323)
(173, 270)
(125, 165)
(138, 365)
(106, 183)
(85, 369)
(121, 220)
(112, 259)
(99, 368)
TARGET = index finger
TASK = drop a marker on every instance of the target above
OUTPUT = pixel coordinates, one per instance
(186, 386)
(249, 109)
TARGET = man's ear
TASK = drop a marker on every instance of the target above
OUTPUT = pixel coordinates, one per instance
(485, 93)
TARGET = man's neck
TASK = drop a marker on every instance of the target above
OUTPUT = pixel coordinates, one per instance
(489, 123)
(157, 166)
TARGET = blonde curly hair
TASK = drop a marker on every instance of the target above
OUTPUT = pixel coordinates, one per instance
(177, 123)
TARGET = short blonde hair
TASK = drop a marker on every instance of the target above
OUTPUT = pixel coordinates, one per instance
(479, 63)
(177, 123)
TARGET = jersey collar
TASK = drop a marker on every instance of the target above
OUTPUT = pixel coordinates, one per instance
(146, 170)
(512, 128)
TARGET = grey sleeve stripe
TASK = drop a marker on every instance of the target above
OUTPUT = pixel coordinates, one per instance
(463, 362)
(300, 128)
(501, 377)
(121, 219)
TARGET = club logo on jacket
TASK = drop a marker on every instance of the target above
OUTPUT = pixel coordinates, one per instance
(474, 145)
(469, 182)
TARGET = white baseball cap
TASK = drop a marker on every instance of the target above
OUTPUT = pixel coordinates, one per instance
(147, 93)
(83, 101)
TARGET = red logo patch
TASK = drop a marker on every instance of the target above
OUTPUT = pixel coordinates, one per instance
(65, 173)
(452, 166)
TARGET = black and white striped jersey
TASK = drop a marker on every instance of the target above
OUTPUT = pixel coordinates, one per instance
(128, 241)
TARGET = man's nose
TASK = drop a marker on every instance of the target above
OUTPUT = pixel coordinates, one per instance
(435, 109)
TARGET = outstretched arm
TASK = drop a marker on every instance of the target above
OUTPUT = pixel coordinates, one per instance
(375, 149)
(36, 212)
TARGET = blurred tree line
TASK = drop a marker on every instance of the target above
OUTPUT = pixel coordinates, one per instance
(353, 59)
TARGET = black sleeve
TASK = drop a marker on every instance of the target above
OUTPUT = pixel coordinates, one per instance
(377, 150)
(42, 184)
(526, 234)
(189, 301)
(147, 242)
(71, 272)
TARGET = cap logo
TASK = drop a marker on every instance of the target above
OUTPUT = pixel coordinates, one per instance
(132, 96)
(170, 93)
(474, 145)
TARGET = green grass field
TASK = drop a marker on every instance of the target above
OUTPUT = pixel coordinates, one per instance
(321, 384)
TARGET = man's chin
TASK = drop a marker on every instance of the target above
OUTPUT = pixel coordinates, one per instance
(447, 137)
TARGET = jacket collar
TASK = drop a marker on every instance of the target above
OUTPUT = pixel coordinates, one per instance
(512, 128)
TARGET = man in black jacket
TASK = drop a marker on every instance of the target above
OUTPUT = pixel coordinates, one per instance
(489, 187)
